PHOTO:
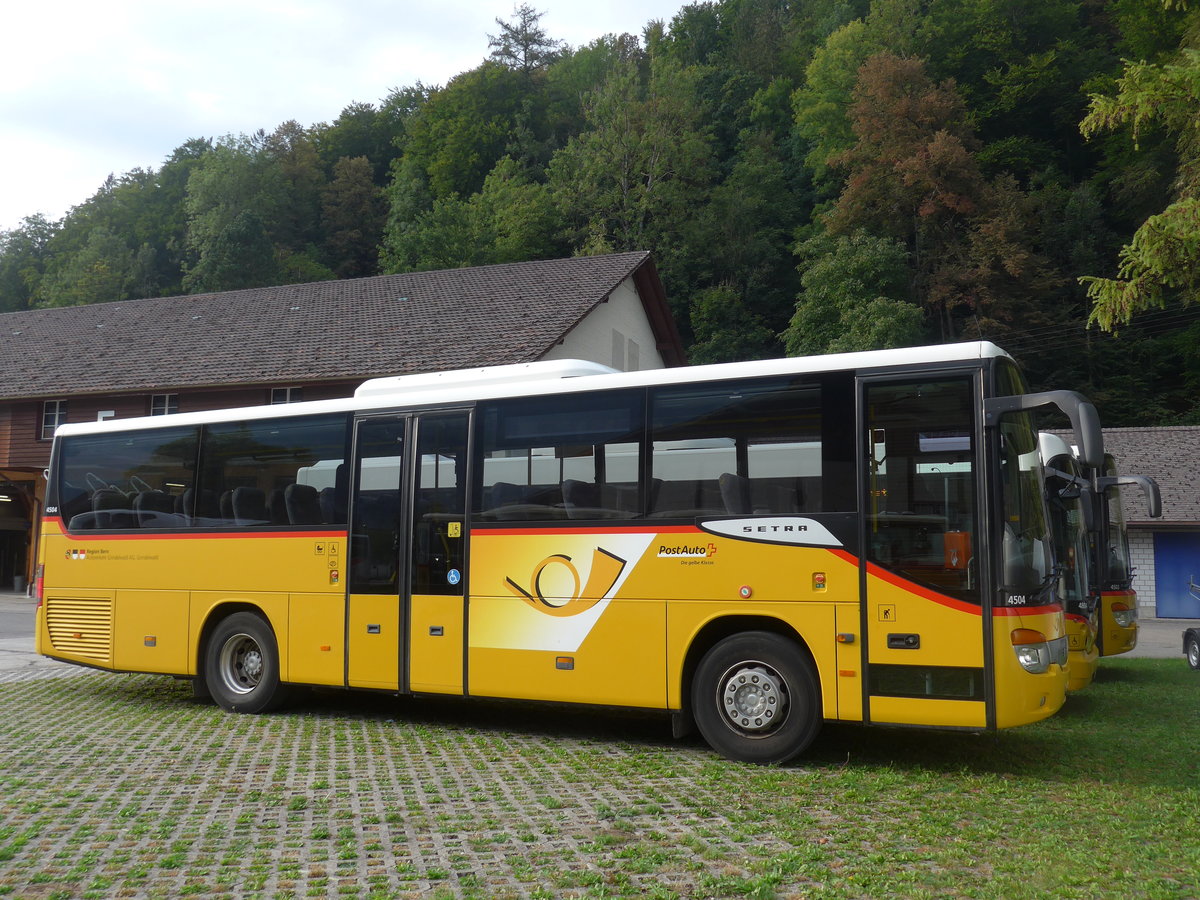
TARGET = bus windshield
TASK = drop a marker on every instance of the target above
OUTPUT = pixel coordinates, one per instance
(1026, 572)
(1069, 532)
(1118, 542)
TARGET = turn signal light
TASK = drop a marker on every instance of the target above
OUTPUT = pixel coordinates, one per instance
(1027, 636)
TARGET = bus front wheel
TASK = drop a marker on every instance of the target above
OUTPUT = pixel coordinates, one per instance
(242, 665)
(755, 698)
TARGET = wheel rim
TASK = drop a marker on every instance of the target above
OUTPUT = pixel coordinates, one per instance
(1194, 654)
(241, 664)
(753, 699)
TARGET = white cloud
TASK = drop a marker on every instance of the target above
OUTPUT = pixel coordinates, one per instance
(88, 89)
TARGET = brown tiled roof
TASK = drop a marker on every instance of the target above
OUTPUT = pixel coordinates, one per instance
(1168, 454)
(329, 330)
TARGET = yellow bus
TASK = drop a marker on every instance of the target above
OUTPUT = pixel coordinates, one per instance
(1070, 527)
(1112, 565)
(754, 548)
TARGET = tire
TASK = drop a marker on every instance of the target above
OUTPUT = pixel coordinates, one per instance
(1192, 649)
(755, 698)
(241, 666)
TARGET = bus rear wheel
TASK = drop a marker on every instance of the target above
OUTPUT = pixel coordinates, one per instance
(755, 698)
(1193, 649)
(242, 665)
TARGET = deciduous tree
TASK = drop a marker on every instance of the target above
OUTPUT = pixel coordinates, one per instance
(1162, 260)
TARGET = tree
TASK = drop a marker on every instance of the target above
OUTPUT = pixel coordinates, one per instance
(352, 214)
(626, 181)
(102, 271)
(854, 296)
(725, 329)
(239, 255)
(292, 170)
(746, 230)
(1162, 259)
(24, 252)
(822, 102)
(462, 130)
(511, 219)
(911, 176)
(236, 178)
(523, 44)
(520, 214)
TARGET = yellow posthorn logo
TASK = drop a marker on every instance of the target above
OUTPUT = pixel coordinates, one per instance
(554, 586)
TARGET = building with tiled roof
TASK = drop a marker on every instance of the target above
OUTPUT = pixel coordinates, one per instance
(304, 341)
(1165, 551)
(1170, 455)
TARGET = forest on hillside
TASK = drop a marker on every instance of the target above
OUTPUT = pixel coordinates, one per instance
(810, 176)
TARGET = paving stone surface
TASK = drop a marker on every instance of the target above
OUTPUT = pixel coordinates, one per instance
(123, 786)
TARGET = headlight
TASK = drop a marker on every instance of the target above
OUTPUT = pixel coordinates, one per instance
(1123, 615)
(1035, 653)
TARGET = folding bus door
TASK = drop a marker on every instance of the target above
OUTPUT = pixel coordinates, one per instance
(437, 571)
(405, 617)
(378, 559)
(922, 612)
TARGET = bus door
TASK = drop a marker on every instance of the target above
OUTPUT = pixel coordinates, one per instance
(377, 592)
(922, 616)
(405, 616)
(437, 570)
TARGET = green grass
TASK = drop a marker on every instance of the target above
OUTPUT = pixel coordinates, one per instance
(121, 786)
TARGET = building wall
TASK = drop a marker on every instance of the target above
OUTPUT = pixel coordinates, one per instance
(1141, 555)
(616, 333)
(5, 429)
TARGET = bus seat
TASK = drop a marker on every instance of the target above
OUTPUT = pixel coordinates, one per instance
(83, 521)
(113, 509)
(505, 494)
(525, 502)
(581, 499)
(735, 493)
(341, 495)
(148, 504)
(327, 499)
(303, 504)
(199, 506)
(586, 500)
(249, 506)
(277, 510)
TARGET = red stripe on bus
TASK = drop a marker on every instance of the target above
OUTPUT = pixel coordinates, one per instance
(913, 588)
(1047, 610)
(844, 556)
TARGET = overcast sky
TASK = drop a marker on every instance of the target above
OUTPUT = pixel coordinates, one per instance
(90, 88)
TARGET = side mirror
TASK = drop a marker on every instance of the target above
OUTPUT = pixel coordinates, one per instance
(1085, 421)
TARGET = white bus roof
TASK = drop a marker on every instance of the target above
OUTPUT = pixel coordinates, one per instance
(545, 377)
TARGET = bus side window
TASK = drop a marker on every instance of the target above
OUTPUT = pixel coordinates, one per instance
(121, 482)
(767, 446)
(271, 472)
(562, 457)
